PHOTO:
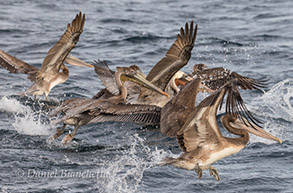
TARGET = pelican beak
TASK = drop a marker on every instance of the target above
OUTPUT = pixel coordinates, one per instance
(139, 78)
(183, 79)
(77, 62)
(260, 132)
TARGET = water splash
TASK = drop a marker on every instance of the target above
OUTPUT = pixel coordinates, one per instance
(27, 121)
(124, 173)
(276, 108)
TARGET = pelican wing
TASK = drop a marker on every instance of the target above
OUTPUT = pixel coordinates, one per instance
(201, 126)
(215, 78)
(73, 108)
(126, 113)
(107, 76)
(62, 48)
(177, 57)
(66, 105)
(103, 94)
(176, 111)
(15, 65)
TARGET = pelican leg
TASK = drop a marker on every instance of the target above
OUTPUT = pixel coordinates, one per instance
(214, 172)
(68, 138)
(198, 170)
(58, 133)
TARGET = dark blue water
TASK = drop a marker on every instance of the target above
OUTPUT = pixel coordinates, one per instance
(253, 38)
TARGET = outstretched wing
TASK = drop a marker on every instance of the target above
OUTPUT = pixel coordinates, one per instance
(62, 48)
(15, 65)
(177, 57)
(66, 105)
(126, 113)
(201, 126)
(215, 78)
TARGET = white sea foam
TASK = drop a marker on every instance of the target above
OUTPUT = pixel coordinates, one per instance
(27, 121)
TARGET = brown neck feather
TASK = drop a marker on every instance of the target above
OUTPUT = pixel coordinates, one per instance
(65, 71)
(121, 87)
(244, 136)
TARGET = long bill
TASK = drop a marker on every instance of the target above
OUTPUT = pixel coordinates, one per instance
(76, 61)
(140, 79)
(260, 132)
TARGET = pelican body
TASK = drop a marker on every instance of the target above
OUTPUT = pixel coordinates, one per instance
(53, 70)
(163, 75)
(79, 112)
(199, 135)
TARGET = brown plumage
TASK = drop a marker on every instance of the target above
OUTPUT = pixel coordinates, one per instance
(215, 78)
(176, 111)
(49, 75)
(177, 57)
(79, 112)
(199, 134)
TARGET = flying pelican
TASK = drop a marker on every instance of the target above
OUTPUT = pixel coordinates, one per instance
(163, 74)
(197, 130)
(107, 77)
(49, 75)
(215, 78)
(79, 112)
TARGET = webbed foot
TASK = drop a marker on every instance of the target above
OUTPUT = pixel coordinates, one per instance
(214, 172)
(198, 170)
(56, 135)
(67, 139)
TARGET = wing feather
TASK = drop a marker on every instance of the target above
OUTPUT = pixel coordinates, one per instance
(215, 78)
(62, 48)
(127, 113)
(202, 125)
(177, 56)
(15, 65)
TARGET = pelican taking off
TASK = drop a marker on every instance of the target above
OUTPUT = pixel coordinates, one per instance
(163, 73)
(79, 111)
(49, 75)
(197, 131)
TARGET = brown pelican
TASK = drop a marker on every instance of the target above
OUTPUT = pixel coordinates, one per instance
(197, 130)
(161, 74)
(176, 57)
(215, 78)
(49, 75)
(79, 112)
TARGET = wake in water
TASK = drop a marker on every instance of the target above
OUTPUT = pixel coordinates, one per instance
(27, 121)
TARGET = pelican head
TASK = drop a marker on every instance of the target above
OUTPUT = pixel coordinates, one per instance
(179, 79)
(198, 68)
(253, 129)
(134, 74)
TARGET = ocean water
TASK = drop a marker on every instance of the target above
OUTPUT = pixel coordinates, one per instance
(253, 38)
